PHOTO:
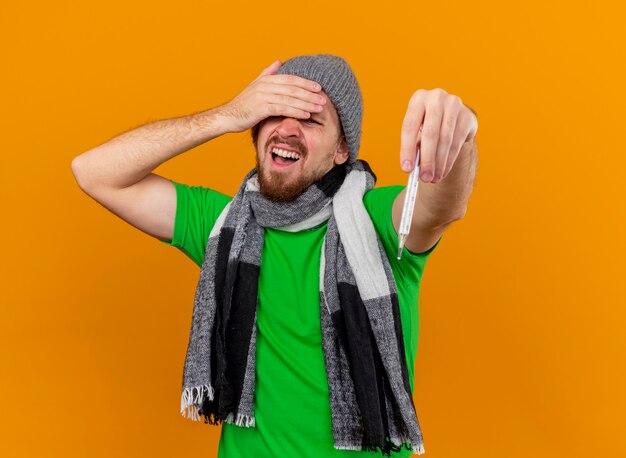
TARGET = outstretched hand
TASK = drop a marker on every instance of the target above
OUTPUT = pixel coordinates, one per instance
(439, 125)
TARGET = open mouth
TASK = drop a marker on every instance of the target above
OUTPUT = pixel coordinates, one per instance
(282, 158)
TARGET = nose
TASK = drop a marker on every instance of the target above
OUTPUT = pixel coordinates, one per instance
(288, 127)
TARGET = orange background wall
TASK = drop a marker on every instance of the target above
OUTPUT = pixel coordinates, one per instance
(522, 344)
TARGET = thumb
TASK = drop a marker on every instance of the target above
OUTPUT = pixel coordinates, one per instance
(271, 69)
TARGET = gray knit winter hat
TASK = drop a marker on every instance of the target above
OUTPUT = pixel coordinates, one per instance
(337, 79)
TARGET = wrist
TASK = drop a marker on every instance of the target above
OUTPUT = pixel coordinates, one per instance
(213, 122)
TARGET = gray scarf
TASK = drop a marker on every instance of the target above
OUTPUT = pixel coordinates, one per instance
(370, 396)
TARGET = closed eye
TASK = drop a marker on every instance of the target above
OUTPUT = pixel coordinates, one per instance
(281, 117)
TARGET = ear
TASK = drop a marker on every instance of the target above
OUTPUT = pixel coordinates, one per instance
(342, 154)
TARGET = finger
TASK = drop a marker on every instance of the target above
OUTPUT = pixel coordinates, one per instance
(295, 81)
(473, 128)
(409, 133)
(419, 141)
(457, 145)
(294, 102)
(271, 69)
(429, 141)
(297, 92)
(277, 109)
(446, 135)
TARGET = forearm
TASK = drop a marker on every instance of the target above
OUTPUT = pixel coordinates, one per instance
(447, 200)
(129, 157)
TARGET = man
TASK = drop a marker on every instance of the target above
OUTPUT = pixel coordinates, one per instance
(305, 323)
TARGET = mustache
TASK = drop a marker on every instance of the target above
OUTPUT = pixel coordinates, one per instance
(299, 147)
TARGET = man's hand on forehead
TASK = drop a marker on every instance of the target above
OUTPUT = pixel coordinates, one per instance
(272, 95)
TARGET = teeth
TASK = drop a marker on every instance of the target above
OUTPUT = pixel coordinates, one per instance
(287, 154)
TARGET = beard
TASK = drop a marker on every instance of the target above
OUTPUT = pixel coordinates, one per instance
(282, 188)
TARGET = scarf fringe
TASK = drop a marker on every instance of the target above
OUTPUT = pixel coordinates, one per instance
(392, 446)
(242, 420)
(192, 400)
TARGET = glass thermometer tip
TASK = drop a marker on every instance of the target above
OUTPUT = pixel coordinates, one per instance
(409, 205)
